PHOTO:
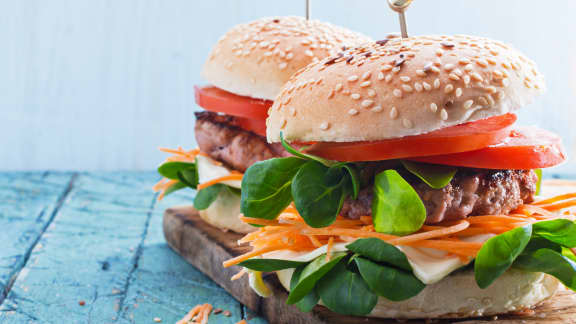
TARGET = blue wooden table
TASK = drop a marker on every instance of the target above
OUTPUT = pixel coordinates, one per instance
(89, 248)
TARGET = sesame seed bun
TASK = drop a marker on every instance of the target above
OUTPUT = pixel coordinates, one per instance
(458, 296)
(401, 87)
(256, 59)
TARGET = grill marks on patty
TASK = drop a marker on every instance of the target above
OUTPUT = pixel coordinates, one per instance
(219, 137)
(471, 192)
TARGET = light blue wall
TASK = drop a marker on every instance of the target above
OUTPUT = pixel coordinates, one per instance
(101, 84)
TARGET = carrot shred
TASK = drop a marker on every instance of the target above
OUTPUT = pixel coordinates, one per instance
(430, 234)
(560, 205)
(555, 199)
(197, 315)
(239, 275)
(329, 248)
(230, 177)
(314, 240)
(242, 322)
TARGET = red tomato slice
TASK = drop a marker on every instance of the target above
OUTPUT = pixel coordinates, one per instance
(218, 100)
(257, 126)
(460, 138)
(526, 148)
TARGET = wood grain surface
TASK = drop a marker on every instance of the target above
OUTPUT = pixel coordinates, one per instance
(206, 247)
(96, 238)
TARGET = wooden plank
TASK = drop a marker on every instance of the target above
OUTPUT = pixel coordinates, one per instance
(166, 286)
(88, 253)
(206, 247)
(29, 203)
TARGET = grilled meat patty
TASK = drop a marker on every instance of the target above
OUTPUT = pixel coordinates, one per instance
(219, 137)
(471, 192)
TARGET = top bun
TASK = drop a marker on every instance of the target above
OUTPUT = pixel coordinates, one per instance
(401, 87)
(257, 58)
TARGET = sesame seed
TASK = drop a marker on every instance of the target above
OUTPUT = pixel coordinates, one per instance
(433, 107)
(426, 86)
(338, 87)
(476, 76)
(439, 52)
(331, 94)
(443, 114)
(420, 72)
(483, 101)
(397, 93)
(386, 68)
(324, 126)
(449, 67)
(490, 100)
(458, 92)
(447, 44)
(464, 61)
(355, 96)
(289, 56)
(407, 123)
(468, 67)
(482, 63)
(396, 69)
(491, 89)
(380, 76)
(454, 77)
(418, 87)
(305, 42)
(491, 61)
(388, 78)
(371, 93)
(435, 69)
(352, 78)
(309, 53)
(376, 109)
(437, 84)
(366, 75)
(468, 103)
(282, 65)
(367, 103)
(526, 83)
(157, 320)
(449, 88)
(393, 113)
(365, 84)
(405, 78)
(352, 112)
(505, 82)
(458, 72)
(466, 79)
(292, 111)
(406, 88)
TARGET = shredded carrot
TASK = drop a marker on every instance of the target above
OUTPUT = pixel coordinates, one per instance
(198, 315)
(290, 232)
(242, 322)
(560, 205)
(230, 177)
(329, 248)
(239, 275)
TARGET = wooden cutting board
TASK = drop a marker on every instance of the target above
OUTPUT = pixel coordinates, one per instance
(206, 247)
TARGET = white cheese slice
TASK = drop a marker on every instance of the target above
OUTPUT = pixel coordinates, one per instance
(209, 169)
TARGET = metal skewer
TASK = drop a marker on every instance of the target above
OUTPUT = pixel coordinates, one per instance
(308, 9)
(400, 7)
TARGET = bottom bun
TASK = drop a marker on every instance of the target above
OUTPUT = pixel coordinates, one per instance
(458, 296)
(224, 213)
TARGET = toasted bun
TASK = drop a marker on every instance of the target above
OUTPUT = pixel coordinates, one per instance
(400, 87)
(257, 58)
(458, 296)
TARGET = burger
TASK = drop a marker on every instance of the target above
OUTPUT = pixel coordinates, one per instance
(246, 70)
(410, 191)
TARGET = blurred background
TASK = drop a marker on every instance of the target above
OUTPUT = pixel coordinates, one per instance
(101, 84)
